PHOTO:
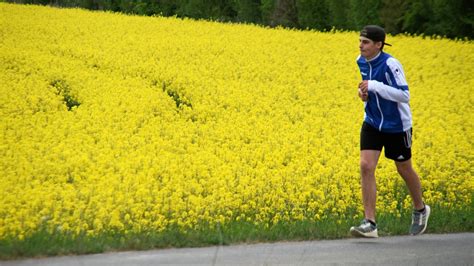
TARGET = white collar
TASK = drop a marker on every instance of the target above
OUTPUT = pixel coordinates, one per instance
(375, 57)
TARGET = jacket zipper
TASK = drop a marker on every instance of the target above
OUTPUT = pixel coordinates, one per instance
(376, 98)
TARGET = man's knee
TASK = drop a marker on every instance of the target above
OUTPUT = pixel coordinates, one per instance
(367, 166)
(404, 168)
(368, 162)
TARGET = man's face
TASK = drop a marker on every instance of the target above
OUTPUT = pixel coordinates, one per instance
(369, 48)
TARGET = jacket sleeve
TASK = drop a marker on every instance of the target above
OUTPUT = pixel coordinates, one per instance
(397, 91)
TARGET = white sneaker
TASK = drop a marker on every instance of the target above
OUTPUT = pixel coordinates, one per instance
(419, 221)
(365, 229)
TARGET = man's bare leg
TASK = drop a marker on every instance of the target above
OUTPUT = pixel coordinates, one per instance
(406, 171)
(368, 164)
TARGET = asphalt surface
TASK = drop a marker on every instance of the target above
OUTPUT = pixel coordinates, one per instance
(448, 249)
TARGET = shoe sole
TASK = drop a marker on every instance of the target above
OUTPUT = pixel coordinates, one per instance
(428, 212)
(356, 233)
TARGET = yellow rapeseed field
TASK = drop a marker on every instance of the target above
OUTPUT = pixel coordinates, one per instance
(128, 124)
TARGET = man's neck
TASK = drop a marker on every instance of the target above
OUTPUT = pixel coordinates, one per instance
(373, 57)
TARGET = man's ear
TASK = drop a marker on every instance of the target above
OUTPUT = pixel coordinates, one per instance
(378, 45)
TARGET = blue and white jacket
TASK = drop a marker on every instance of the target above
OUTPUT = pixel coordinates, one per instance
(387, 107)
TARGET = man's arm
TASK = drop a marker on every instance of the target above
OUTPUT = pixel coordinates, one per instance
(398, 91)
(388, 92)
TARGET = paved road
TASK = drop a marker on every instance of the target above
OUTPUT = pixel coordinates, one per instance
(450, 249)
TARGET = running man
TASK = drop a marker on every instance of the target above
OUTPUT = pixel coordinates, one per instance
(387, 124)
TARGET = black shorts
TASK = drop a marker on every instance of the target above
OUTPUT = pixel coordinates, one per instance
(397, 145)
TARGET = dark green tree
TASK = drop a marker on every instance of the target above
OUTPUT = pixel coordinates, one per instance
(451, 18)
(248, 10)
(339, 11)
(313, 14)
(285, 13)
(363, 12)
(206, 9)
(391, 15)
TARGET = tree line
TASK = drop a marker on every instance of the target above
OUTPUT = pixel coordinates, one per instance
(450, 18)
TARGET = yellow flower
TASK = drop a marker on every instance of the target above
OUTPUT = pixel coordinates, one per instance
(122, 123)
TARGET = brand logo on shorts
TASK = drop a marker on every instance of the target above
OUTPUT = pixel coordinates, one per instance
(400, 157)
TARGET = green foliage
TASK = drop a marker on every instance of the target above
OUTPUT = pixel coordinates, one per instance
(450, 18)
(314, 14)
(201, 9)
(284, 13)
(364, 12)
(339, 13)
(63, 89)
(248, 10)
(45, 243)
(392, 15)
(175, 96)
(267, 7)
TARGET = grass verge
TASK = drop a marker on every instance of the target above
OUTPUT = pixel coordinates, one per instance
(45, 244)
